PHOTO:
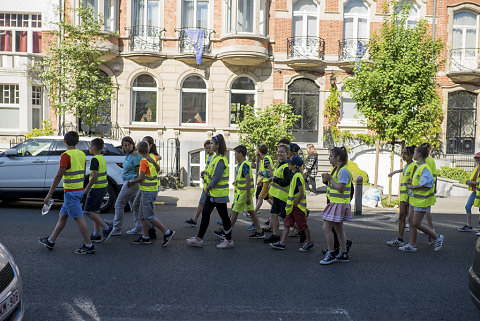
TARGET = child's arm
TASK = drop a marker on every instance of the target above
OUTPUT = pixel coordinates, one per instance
(270, 170)
(300, 196)
(338, 186)
(157, 167)
(395, 172)
(61, 171)
(469, 182)
(93, 179)
(141, 177)
(248, 181)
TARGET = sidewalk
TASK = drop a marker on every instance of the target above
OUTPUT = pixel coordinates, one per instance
(189, 197)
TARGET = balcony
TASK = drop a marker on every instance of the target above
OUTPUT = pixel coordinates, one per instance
(186, 45)
(464, 65)
(303, 52)
(243, 49)
(144, 44)
(351, 50)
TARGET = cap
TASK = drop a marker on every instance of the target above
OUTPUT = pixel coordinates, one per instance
(295, 160)
(477, 155)
(294, 147)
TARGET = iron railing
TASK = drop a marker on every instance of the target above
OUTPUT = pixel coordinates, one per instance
(186, 45)
(145, 38)
(170, 152)
(305, 47)
(464, 59)
(464, 161)
(17, 140)
(352, 49)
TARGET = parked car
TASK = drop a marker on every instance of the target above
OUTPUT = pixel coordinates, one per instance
(11, 290)
(27, 170)
(474, 276)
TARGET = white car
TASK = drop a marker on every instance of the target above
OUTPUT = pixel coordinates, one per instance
(11, 290)
(27, 170)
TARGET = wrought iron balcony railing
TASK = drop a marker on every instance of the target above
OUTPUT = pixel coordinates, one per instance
(305, 47)
(464, 59)
(352, 49)
(186, 44)
(145, 38)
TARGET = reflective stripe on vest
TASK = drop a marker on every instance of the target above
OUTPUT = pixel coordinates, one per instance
(336, 196)
(220, 189)
(263, 168)
(207, 162)
(241, 182)
(292, 197)
(75, 175)
(150, 182)
(276, 190)
(102, 172)
(407, 173)
(422, 198)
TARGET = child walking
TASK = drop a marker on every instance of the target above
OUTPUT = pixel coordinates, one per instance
(72, 170)
(338, 209)
(296, 208)
(263, 176)
(148, 182)
(472, 183)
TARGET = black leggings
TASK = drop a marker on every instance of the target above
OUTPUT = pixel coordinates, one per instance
(311, 181)
(222, 211)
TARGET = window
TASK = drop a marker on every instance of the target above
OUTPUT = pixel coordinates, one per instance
(34, 147)
(303, 96)
(242, 93)
(195, 14)
(20, 32)
(92, 4)
(194, 100)
(349, 114)
(144, 99)
(246, 16)
(146, 13)
(413, 14)
(109, 15)
(355, 20)
(9, 106)
(465, 41)
(305, 19)
(36, 106)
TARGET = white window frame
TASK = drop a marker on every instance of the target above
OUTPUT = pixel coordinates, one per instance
(132, 103)
(29, 29)
(195, 2)
(145, 14)
(230, 13)
(254, 17)
(355, 17)
(244, 92)
(355, 122)
(10, 105)
(305, 14)
(465, 28)
(194, 90)
(37, 96)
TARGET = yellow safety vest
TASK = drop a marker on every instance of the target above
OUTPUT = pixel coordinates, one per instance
(407, 173)
(102, 172)
(292, 196)
(150, 182)
(276, 190)
(241, 182)
(422, 198)
(221, 188)
(75, 175)
(472, 175)
(334, 195)
(263, 168)
(206, 167)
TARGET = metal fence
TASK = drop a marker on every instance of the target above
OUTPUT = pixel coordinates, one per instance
(170, 152)
(459, 160)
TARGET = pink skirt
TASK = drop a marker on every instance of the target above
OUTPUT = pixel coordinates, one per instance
(335, 212)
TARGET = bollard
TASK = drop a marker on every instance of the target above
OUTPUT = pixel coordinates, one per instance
(358, 195)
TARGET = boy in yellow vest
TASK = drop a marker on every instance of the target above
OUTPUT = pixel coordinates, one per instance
(296, 208)
(472, 183)
(148, 182)
(96, 190)
(72, 170)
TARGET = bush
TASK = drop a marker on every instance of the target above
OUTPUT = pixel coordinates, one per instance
(46, 130)
(392, 203)
(455, 173)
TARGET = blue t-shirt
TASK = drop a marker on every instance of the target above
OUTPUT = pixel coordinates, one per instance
(130, 164)
(245, 170)
(344, 176)
(427, 179)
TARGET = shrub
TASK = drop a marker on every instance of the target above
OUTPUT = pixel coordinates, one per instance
(455, 173)
(392, 203)
(46, 130)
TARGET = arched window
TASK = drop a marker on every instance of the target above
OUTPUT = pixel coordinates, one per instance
(461, 116)
(304, 29)
(355, 28)
(465, 41)
(194, 100)
(413, 13)
(303, 97)
(144, 99)
(195, 14)
(242, 93)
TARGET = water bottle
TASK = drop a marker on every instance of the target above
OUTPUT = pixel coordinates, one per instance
(46, 207)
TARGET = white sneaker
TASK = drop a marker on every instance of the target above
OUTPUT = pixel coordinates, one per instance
(193, 241)
(135, 231)
(407, 227)
(439, 242)
(408, 248)
(395, 242)
(225, 244)
(478, 233)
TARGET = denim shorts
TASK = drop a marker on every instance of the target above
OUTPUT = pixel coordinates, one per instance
(202, 198)
(94, 199)
(422, 209)
(72, 205)
(147, 209)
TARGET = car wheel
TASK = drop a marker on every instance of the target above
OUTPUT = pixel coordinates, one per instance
(109, 199)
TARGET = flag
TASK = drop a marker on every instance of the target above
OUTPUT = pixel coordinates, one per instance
(197, 37)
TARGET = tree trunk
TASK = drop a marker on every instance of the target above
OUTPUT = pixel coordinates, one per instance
(401, 166)
(392, 157)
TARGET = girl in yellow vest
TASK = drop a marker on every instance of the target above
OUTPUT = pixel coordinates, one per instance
(422, 191)
(217, 191)
(408, 170)
(472, 183)
(433, 169)
(263, 176)
(338, 209)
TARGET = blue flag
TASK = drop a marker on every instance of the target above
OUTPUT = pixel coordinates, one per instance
(197, 37)
(361, 48)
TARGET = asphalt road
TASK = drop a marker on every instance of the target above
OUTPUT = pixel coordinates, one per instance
(250, 282)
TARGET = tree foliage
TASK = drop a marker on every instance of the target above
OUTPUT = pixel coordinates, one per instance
(396, 89)
(70, 70)
(266, 126)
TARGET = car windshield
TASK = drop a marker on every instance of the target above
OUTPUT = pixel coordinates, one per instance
(33, 147)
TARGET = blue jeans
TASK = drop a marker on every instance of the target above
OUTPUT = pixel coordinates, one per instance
(468, 206)
(71, 204)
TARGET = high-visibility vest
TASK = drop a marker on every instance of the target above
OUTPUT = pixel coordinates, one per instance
(150, 182)
(292, 196)
(334, 195)
(276, 190)
(241, 182)
(421, 197)
(75, 175)
(207, 162)
(433, 169)
(472, 175)
(221, 188)
(155, 159)
(476, 202)
(102, 172)
(263, 168)
(408, 172)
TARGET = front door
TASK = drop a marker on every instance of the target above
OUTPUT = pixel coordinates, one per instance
(461, 122)
(303, 96)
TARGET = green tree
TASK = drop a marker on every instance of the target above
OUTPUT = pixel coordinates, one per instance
(396, 90)
(266, 126)
(70, 70)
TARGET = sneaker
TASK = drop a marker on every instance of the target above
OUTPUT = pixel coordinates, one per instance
(191, 222)
(151, 233)
(335, 252)
(306, 247)
(246, 214)
(267, 223)
(349, 245)
(439, 242)
(267, 229)
(45, 242)
(142, 240)
(251, 227)
(193, 241)
(407, 227)
(278, 246)
(168, 238)
(408, 248)
(96, 238)
(465, 228)
(116, 232)
(328, 259)
(107, 233)
(272, 239)
(219, 234)
(478, 233)
(295, 233)
(430, 239)
(86, 250)
(395, 242)
(342, 257)
(257, 235)
(303, 237)
(135, 231)
(225, 244)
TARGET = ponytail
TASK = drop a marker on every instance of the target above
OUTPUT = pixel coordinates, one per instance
(151, 141)
(342, 154)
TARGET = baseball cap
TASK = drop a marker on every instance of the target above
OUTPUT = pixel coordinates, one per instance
(294, 147)
(477, 155)
(295, 160)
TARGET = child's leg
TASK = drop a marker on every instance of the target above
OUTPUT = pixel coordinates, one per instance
(341, 236)
(145, 227)
(417, 222)
(206, 212)
(125, 195)
(270, 201)
(97, 220)
(468, 208)
(327, 230)
(82, 225)
(158, 224)
(428, 214)
(255, 220)
(286, 230)
(62, 220)
(412, 234)
(307, 234)
(258, 205)
(136, 208)
(275, 224)
(401, 219)
(227, 224)
(198, 212)
(233, 218)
